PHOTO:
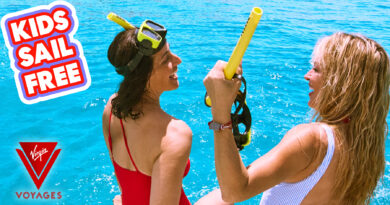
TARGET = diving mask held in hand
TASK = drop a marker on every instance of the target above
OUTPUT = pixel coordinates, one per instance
(150, 38)
(241, 115)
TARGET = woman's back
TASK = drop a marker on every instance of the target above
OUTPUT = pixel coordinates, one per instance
(145, 139)
(319, 176)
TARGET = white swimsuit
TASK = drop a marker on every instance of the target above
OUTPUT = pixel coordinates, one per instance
(294, 193)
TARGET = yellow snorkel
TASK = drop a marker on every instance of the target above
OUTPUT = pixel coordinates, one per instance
(242, 139)
(243, 42)
(241, 46)
(122, 22)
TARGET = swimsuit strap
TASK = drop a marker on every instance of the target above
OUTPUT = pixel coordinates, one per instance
(127, 147)
(109, 132)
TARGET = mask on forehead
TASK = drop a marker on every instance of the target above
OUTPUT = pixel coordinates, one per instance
(149, 37)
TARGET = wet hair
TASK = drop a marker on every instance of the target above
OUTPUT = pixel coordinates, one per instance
(355, 86)
(128, 101)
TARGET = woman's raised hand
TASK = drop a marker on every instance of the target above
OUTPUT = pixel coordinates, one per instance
(221, 91)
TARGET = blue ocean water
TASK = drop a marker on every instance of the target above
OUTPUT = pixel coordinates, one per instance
(200, 32)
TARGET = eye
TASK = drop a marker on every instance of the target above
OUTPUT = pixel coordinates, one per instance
(166, 59)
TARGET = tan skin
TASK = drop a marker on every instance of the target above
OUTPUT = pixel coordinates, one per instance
(159, 143)
(296, 157)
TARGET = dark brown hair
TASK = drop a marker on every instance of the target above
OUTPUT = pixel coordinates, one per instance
(131, 90)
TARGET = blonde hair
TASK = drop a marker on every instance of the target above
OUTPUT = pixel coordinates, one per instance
(355, 99)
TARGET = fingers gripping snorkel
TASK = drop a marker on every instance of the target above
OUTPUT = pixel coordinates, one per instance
(241, 115)
(150, 38)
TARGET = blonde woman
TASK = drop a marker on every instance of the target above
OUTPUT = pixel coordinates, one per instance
(336, 160)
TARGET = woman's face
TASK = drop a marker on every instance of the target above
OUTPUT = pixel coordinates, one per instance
(164, 77)
(314, 77)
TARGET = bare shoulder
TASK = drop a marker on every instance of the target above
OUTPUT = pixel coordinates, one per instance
(178, 138)
(308, 132)
(308, 137)
(179, 127)
(107, 108)
(107, 112)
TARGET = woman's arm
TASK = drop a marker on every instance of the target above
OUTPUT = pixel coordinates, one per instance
(213, 198)
(168, 169)
(293, 154)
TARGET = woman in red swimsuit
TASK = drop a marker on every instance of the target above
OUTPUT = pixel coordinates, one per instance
(148, 147)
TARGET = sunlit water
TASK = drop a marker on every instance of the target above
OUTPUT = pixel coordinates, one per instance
(200, 32)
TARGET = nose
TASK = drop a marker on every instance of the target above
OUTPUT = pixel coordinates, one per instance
(177, 59)
(308, 75)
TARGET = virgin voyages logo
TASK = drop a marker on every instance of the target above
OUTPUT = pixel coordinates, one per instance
(38, 158)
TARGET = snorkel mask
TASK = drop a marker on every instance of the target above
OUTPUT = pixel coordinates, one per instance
(150, 38)
(240, 117)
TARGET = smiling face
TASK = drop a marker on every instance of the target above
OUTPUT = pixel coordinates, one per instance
(314, 77)
(164, 77)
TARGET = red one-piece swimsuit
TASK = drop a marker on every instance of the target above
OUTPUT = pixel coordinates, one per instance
(136, 185)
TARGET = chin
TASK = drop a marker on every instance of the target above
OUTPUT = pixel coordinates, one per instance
(312, 102)
(173, 86)
(312, 105)
(309, 104)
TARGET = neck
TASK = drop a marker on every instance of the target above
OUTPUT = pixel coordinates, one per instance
(152, 99)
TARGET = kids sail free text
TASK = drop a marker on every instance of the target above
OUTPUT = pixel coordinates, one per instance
(47, 61)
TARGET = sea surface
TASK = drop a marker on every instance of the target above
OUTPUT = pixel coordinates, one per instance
(200, 33)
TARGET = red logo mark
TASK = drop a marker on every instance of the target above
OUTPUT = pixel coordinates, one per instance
(38, 158)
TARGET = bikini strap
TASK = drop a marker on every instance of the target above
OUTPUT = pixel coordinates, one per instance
(127, 146)
(109, 132)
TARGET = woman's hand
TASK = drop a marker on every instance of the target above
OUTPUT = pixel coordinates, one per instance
(221, 91)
